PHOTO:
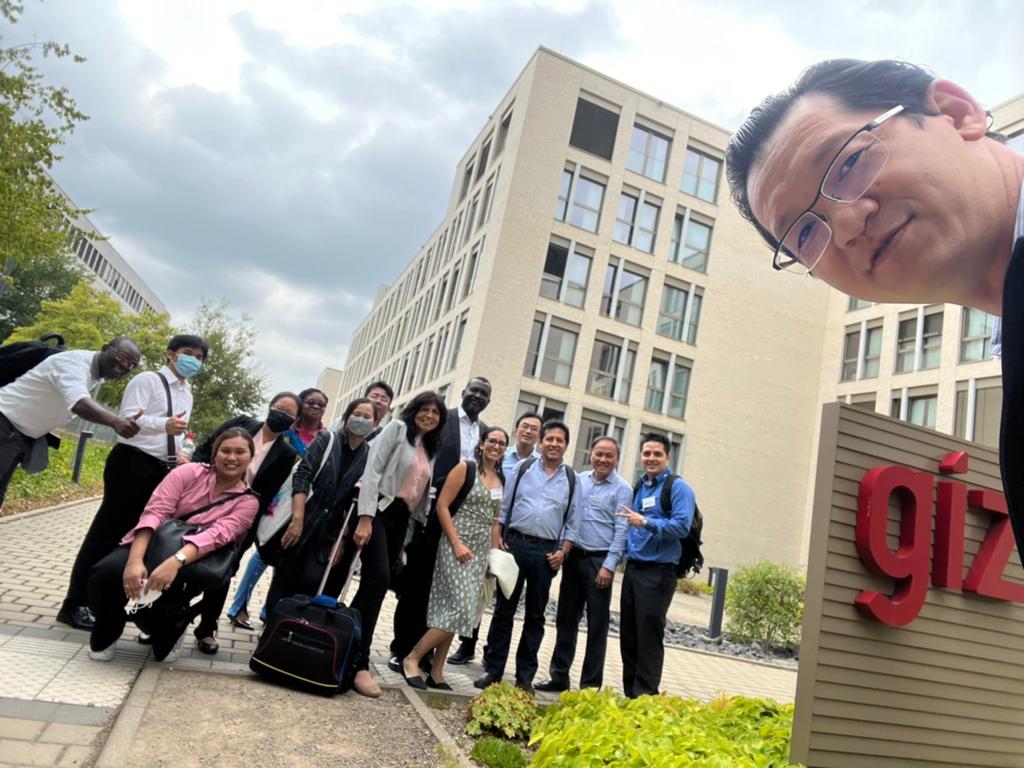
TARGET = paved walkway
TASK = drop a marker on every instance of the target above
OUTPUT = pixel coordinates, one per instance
(56, 704)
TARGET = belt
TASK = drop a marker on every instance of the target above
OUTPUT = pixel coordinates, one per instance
(528, 537)
(589, 552)
(644, 565)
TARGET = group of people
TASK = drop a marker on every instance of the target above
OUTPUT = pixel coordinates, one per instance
(427, 496)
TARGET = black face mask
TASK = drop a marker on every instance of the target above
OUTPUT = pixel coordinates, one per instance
(279, 421)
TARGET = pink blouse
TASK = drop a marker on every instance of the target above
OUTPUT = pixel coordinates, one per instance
(186, 489)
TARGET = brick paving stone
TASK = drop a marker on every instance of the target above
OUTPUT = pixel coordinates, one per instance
(23, 730)
(64, 733)
(74, 757)
(30, 753)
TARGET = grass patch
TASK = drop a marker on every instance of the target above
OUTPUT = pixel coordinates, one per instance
(53, 485)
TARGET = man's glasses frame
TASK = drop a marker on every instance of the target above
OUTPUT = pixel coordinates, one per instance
(782, 259)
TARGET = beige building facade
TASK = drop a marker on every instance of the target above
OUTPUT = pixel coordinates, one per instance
(591, 266)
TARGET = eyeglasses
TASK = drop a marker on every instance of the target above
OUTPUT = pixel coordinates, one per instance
(850, 174)
(495, 442)
(125, 364)
(315, 404)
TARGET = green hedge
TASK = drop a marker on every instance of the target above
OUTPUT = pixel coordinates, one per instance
(590, 728)
(765, 603)
(53, 485)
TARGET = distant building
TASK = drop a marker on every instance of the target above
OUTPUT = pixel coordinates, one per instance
(329, 382)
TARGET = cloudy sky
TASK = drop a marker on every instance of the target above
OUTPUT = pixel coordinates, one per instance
(289, 157)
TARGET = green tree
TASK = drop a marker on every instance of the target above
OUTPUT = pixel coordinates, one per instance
(231, 382)
(48, 276)
(35, 119)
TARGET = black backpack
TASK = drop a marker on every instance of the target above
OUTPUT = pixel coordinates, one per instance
(22, 356)
(691, 558)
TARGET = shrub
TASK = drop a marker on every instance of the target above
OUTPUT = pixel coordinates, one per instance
(497, 753)
(602, 728)
(765, 603)
(502, 710)
(691, 587)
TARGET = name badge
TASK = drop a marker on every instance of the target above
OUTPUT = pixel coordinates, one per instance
(647, 503)
(496, 494)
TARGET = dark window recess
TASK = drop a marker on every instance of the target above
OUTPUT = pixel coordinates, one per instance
(593, 129)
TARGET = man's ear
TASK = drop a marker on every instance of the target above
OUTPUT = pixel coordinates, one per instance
(953, 101)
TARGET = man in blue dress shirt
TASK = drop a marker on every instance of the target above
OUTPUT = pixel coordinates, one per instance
(533, 518)
(526, 433)
(598, 537)
(653, 548)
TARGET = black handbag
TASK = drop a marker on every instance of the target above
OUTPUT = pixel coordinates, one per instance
(213, 570)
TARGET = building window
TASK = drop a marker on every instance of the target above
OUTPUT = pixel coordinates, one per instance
(700, 175)
(485, 209)
(691, 241)
(566, 271)
(921, 409)
(648, 153)
(976, 335)
(506, 124)
(924, 353)
(611, 368)
(906, 345)
(931, 340)
(586, 196)
(460, 330)
(624, 292)
(467, 182)
(474, 265)
(856, 304)
(470, 219)
(979, 420)
(592, 426)
(594, 129)
(861, 363)
(672, 317)
(668, 383)
(485, 152)
(551, 352)
(547, 407)
(636, 222)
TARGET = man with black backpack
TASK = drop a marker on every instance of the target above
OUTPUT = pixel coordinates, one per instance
(654, 548)
(538, 503)
(49, 393)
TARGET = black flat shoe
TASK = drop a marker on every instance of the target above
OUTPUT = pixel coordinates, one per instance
(207, 647)
(415, 682)
(432, 683)
(79, 618)
(241, 624)
(551, 686)
(486, 681)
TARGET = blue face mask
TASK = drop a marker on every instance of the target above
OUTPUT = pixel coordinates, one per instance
(188, 366)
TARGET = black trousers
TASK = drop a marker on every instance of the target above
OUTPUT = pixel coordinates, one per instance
(300, 573)
(410, 621)
(647, 591)
(579, 592)
(536, 575)
(13, 447)
(165, 619)
(212, 604)
(129, 479)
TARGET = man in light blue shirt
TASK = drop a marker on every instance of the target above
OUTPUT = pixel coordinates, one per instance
(540, 497)
(526, 432)
(598, 536)
(653, 549)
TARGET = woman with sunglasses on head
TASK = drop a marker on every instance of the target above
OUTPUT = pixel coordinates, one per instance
(214, 497)
(394, 489)
(308, 425)
(276, 450)
(321, 499)
(461, 556)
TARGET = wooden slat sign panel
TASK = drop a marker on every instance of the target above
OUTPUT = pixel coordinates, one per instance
(912, 653)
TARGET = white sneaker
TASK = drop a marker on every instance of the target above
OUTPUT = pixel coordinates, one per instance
(175, 653)
(107, 654)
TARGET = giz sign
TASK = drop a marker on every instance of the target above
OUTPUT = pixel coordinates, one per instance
(909, 565)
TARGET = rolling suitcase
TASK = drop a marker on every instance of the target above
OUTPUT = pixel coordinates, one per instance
(313, 643)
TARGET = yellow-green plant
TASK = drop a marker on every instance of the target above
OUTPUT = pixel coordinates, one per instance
(502, 710)
(497, 753)
(591, 728)
(765, 603)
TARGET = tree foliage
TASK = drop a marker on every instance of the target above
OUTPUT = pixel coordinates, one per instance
(35, 119)
(47, 276)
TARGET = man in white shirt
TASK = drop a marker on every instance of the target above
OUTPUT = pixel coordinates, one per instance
(136, 465)
(47, 395)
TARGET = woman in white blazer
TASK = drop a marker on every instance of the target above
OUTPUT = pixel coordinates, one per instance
(394, 487)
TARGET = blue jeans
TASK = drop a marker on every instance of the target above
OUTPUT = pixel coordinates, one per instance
(253, 571)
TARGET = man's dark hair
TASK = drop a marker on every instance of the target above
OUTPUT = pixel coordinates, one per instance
(287, 396)
(607, 439)
(481, 379)
(432, 439)
(528, 415)
(188, 340)
(856, 85)
(380, 385)
(657, 437)
(555, 424)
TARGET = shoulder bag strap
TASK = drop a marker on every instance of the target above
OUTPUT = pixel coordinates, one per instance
(217, 503)
(323, 461)
(172, 451)
(524, 465)
(570, 478)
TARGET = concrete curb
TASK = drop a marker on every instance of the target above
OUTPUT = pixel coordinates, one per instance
(439, 732)
(122, 735)
(43, 510)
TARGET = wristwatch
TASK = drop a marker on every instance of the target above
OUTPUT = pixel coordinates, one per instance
(180, 557)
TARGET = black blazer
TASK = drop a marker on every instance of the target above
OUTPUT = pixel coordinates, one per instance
(450, 452)
(274, 470)
(1011, 446)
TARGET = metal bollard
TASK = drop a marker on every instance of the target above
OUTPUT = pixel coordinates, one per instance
(76, 467)
(721, 580)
